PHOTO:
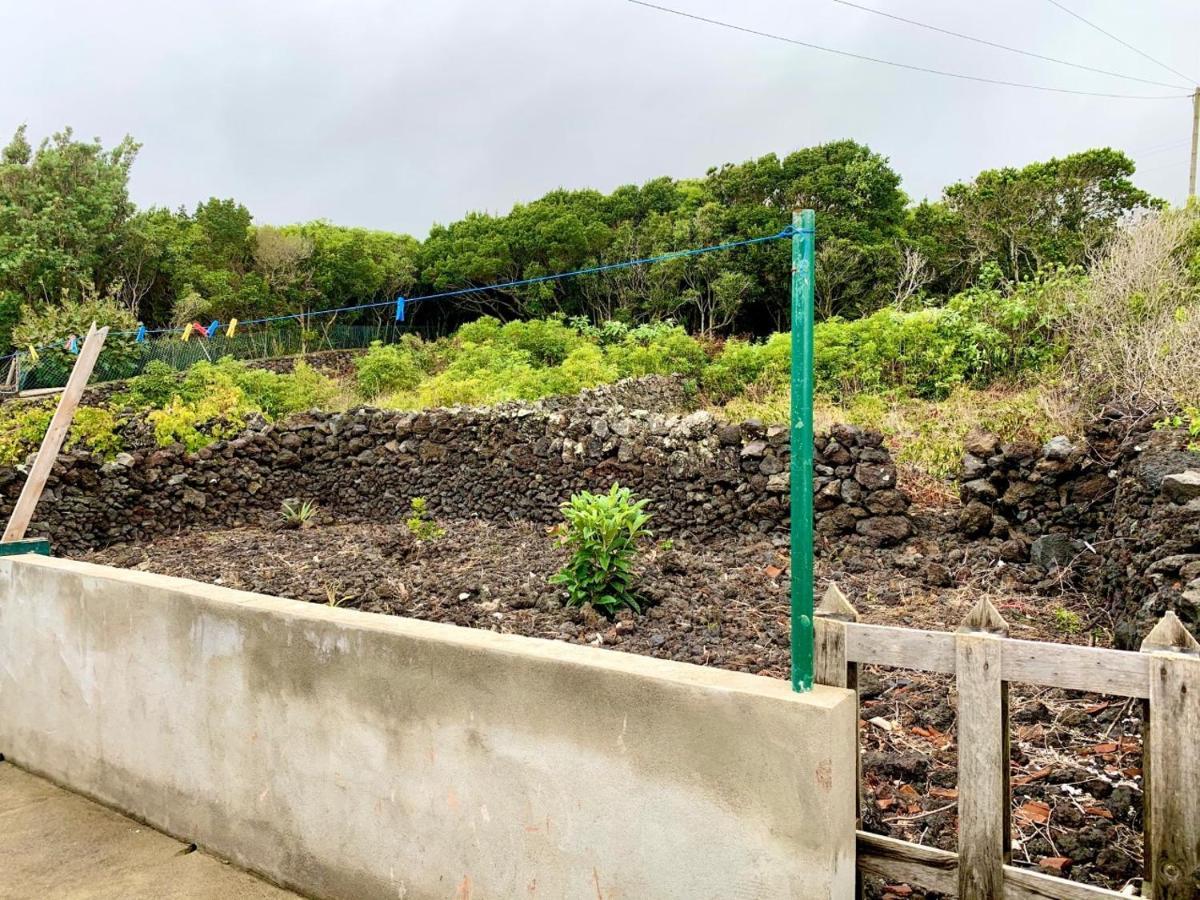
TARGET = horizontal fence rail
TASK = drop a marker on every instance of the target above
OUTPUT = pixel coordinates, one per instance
(1165, 675)
(1066, 666)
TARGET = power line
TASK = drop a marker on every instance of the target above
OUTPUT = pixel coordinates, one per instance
(1174, 166)
(900, 65)
(1185, 142)
(987, 43)
(1123, 43)
(1157, 147)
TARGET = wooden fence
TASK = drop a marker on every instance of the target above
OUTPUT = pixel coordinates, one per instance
(1164, 676)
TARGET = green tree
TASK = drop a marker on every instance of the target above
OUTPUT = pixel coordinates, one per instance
(1057, 212)
(349, 266)
(212, 255)
(64, 212)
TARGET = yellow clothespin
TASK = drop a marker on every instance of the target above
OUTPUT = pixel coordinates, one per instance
(187, 331)
(33, 355)
(232, 328)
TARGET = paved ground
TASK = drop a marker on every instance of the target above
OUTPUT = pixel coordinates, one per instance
(55, 845)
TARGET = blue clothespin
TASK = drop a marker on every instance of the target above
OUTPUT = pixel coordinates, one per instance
(141, 334)
(212, 329)
(399, 309)
(74, 345)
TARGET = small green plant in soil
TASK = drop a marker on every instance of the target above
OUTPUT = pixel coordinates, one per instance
(603, 531)
(297, 513)
(421, 522)
(1188, 419)
(1067, 622)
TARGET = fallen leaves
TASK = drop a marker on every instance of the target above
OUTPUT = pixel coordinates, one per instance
(1035, 812)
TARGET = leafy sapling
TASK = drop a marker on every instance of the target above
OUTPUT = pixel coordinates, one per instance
(421, 522)
(603, 532)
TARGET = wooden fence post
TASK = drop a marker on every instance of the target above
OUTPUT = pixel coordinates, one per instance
(832, 667)
(984, 818)
(1171, 763)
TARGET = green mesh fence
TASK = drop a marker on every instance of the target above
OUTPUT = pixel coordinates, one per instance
(125, 357)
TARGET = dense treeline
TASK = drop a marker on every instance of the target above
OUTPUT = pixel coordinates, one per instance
(73, 245)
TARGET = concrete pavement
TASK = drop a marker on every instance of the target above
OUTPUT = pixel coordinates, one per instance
(55, 845)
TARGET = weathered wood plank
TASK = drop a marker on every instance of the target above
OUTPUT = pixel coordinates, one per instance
(1173, 777)
(983, 764)
(1025, 884)
(899, 862)
(832, 667)
(905, 648)
(35, 481)
(1064, 666)
(1075, 668)
(829, 652)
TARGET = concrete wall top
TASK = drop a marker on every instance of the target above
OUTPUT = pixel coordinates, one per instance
(348, 754)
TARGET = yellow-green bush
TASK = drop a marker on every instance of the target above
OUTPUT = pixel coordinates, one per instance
(21, 430)
(211, 401)
(385, 369)
(197, 423)
(23, 425)
(667, 351)
(96, 429)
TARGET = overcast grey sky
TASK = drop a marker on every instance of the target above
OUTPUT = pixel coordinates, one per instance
(404, 113)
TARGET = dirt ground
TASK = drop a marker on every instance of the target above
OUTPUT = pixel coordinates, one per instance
(1076, 776)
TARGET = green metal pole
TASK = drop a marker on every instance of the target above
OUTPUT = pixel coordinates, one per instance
(803, 235)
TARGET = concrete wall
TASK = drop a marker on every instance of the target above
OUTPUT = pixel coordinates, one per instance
(347, 754)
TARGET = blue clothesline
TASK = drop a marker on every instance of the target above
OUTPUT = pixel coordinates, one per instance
(399, 303)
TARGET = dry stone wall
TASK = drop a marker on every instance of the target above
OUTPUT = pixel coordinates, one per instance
(1044, 502)
(704, 477)
(1117, 514)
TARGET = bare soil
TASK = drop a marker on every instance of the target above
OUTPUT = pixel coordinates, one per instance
(1076, 760)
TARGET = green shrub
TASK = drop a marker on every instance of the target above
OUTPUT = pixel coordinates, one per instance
(210, 401)
(666, 351)
(1066, 621)
(484, 330)
(95, 429)
(547, 341)
(21, 429)
(48, 325)
(741, 364)
(157, 384)
(586, 366)
(386, 369)
(274, 395)
(197, 423)
(23, 425)
(604, 334)
(980, 335)
(602, 531)
(421, 524)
